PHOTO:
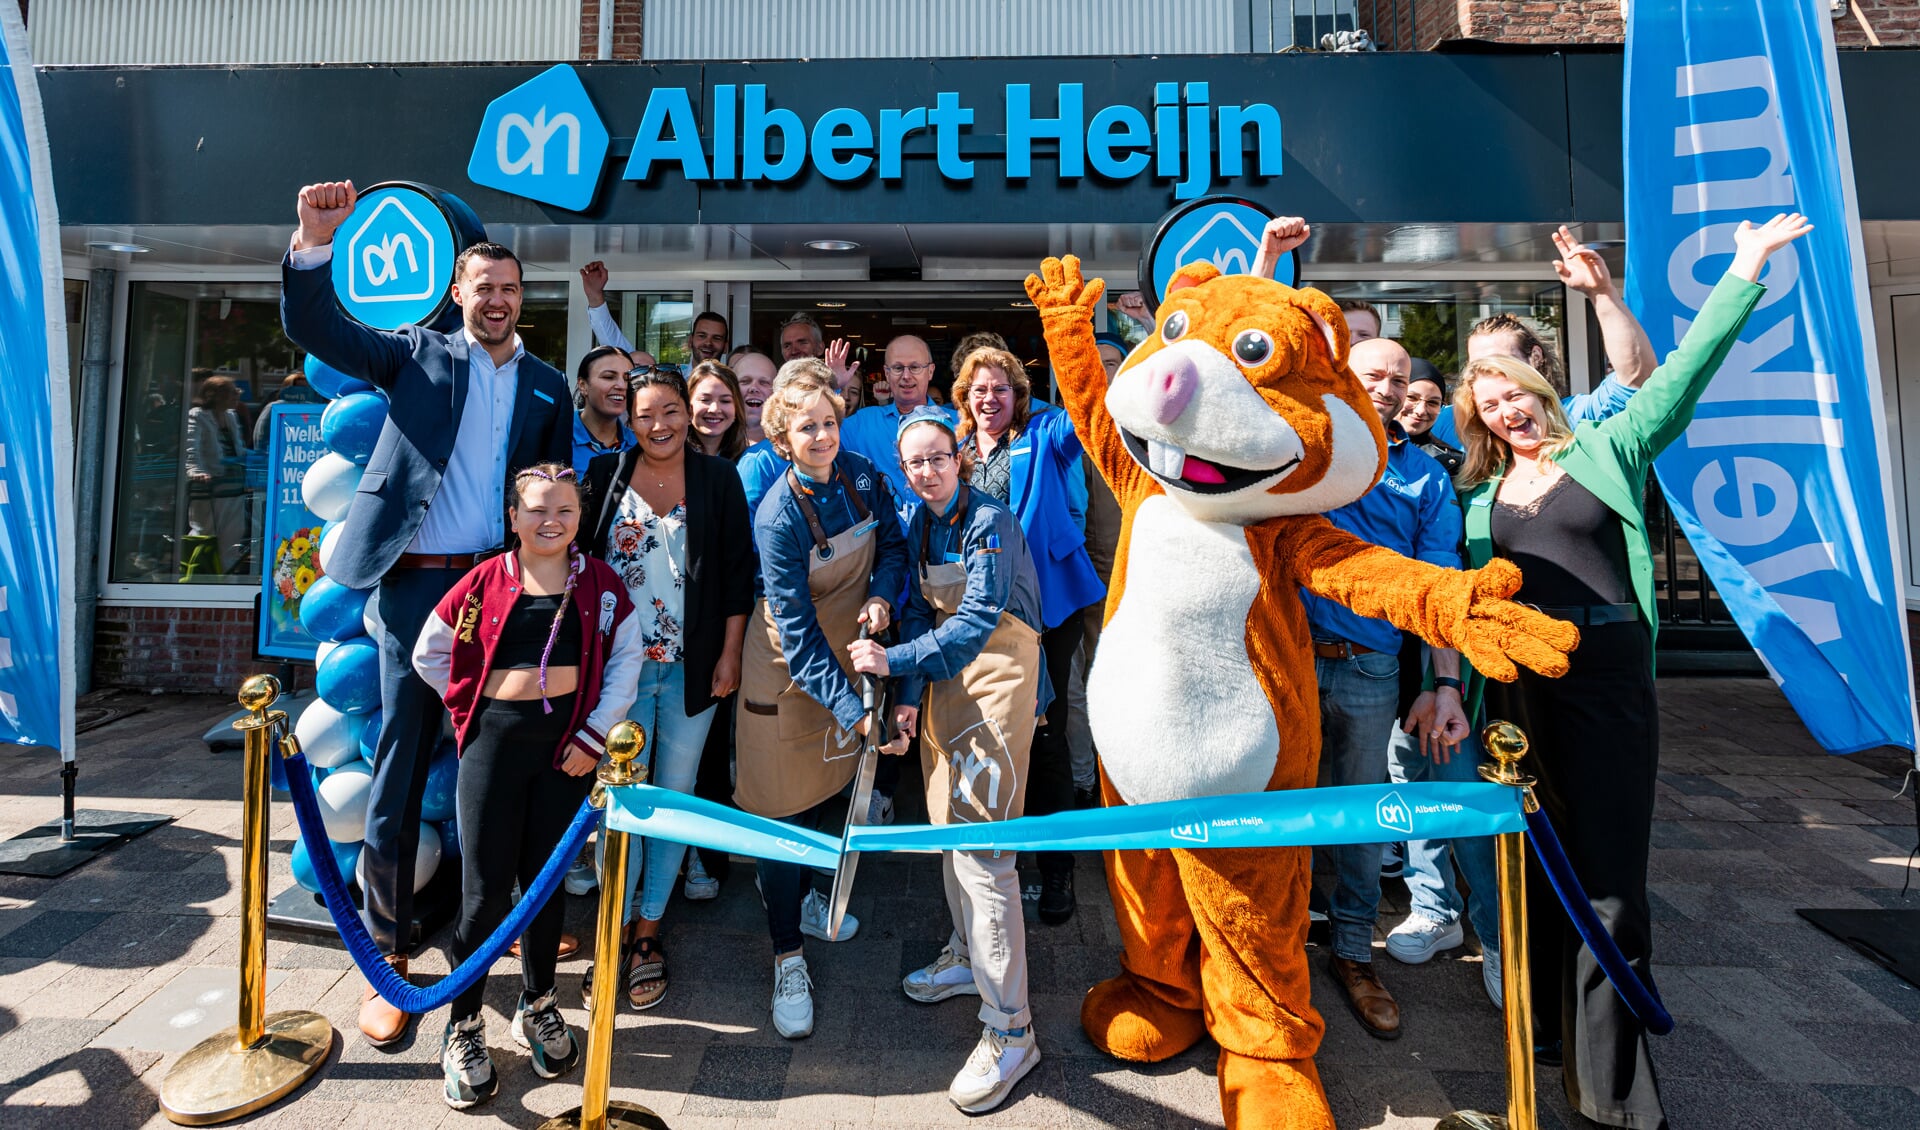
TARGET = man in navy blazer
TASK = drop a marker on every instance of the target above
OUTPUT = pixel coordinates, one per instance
(465, 411)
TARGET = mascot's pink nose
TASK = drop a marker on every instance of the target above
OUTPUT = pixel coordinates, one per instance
(1170, 385)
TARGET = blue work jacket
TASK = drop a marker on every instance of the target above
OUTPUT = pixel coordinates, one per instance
(1046, 482)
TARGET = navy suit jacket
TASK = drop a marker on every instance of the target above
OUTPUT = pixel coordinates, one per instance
(425, 375)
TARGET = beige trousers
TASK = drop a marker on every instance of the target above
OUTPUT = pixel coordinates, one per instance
(983, 895)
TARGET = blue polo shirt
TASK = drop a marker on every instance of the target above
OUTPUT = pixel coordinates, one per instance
(1608, 398)
(759, 466)
(585, 447)
(1412, 510)
(874, 432)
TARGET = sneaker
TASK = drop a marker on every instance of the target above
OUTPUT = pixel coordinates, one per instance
(879, 810)
(581, 878)
(1490, 975)
(998, 1062)
(1418, 938)
(464, 1060)
(539, 1028)
(700, 886)
(813, 919)
(792, 998)
(1056, 897)
(950, 975)
(1393, 860)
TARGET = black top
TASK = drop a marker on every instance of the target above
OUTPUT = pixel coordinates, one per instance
(721, 565)
(1569, 547)
(523, 638)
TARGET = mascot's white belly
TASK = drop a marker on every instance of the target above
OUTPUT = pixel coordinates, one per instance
(1172, 698)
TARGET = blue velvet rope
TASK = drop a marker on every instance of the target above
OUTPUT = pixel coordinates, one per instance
(397, 992)
(1639, 997)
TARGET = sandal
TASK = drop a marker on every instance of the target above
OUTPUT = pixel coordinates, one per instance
(646, 974)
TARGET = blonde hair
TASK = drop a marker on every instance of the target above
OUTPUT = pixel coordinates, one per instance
(1488, 454)
(1009, 367)
(794, 387)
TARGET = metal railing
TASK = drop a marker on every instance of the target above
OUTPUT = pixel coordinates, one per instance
(1336, 25)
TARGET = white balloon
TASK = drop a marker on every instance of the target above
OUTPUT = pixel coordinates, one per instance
(321, 652)
(369, 621)
(328, 737)
(426, 860)
(329, 485)
(343, 802)
(330, 545)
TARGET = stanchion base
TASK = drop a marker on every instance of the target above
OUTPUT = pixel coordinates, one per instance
(620, 1116)
(218, 1081)
(1472, 1120)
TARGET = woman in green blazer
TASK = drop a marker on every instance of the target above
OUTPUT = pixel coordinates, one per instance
(1565, 505)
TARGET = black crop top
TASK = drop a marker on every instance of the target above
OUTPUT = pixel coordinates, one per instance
(524, 636)
(1569, 546)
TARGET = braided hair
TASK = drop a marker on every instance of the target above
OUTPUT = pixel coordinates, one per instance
(576, 561)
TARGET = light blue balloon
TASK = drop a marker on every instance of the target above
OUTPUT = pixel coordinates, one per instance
(441, 799)
(345, 857)
(349, 677)
(331, 382)
(450, 839)
(351, 425)
(370, 736)
(332, 611)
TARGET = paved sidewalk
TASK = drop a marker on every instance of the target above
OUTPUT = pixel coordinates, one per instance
(1779, 1025)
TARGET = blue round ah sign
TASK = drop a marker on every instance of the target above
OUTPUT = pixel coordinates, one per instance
(393, 258)
(1222, 230)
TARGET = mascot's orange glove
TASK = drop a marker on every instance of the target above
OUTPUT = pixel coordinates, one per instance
(1493, 631)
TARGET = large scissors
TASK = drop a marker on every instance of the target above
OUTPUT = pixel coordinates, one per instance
(873, 701)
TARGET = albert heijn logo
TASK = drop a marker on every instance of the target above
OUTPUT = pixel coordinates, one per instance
(1394, 814)
(542, 140)
(1222, 230)
(393, 258)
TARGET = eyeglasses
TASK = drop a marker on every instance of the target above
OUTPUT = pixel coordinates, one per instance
(563, 475)
(648, 370)
(899, 370)
(934, 463)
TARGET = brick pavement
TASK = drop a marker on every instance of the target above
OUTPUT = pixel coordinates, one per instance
(1778, 1023)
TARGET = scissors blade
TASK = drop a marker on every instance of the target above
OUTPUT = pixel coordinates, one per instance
(874, 699)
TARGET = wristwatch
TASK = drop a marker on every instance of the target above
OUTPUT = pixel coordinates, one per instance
(1443, 681)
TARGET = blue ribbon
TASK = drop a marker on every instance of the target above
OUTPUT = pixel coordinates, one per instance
(333, 890)
(1353, 814)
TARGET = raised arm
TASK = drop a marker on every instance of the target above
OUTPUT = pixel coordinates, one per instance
(1066, 305)
(1626, 343)
(312, 319)
(593, 280)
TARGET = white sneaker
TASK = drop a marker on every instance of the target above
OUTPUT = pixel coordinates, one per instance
(813, 919)
(1418, 938)
(950, 975)
(581, 878)
(700, 886)
(997, 1063)
(1490, 978)
(792, 998)
(879, 810)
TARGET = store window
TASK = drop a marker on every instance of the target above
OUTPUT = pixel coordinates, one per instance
(543, 322)
(203, 363)
(658, 322)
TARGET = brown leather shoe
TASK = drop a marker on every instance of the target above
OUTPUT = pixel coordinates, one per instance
(381, 1023)
(569, 945)
(1370, 1001)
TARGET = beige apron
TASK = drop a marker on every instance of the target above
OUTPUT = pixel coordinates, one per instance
(976, 729)
(790, 752)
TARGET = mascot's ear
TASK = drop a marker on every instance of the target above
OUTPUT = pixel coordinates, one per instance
(1326, 314)
(1193, 274)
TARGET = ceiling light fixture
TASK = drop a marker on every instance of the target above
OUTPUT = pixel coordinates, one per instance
(831, 305)
(123, 248)
(833, 245)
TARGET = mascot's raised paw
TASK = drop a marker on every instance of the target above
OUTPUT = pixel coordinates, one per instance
(1058, 288)
(1497, 631)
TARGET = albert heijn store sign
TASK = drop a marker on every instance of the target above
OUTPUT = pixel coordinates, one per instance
(545, 139)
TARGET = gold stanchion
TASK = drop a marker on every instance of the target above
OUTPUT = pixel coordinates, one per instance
(595, 1111)
(262, 1058)
(1506, 744)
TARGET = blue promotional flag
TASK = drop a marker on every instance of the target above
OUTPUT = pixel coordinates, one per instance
(36, 434)
(1781, 484)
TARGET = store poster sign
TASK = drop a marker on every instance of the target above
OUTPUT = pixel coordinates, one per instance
(292, 534)
(544, 140)
(1222, 230)
(393, 257)
(1782, 481)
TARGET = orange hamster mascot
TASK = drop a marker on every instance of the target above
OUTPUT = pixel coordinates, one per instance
(1225, 436)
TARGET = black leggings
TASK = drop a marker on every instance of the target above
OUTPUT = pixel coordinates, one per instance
(784, 886)
(514, 810)
(1050, 778)
(1595, 738)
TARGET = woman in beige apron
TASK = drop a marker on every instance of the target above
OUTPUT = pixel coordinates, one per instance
(973, 680)
(828, 567)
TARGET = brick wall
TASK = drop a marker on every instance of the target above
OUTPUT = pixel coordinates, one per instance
(626, 28)
(1895, 22)
(206, 650)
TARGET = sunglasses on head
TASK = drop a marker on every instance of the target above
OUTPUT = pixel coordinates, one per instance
(649, 370)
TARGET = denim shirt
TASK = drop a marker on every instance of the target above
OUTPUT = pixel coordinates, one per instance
(786, 551)
(1412, 511)
(996, 581)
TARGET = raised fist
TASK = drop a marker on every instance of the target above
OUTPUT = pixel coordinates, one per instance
(323, 208)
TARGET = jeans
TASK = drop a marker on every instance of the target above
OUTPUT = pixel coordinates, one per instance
(1358, 700)
(674, 745)
(1430, 863)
